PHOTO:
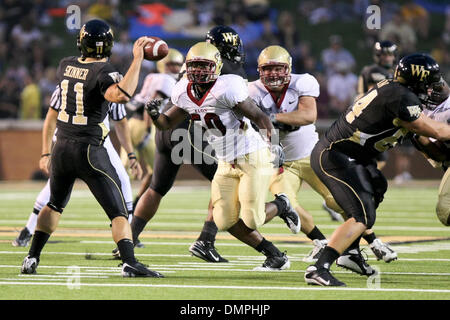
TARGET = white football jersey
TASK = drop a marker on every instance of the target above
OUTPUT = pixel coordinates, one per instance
(231, 134)
(153, 83)
(441, 113)
(296, 144)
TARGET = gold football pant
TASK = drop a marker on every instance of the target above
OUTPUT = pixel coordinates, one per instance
(145, 152)
(239, 190)
(290, 182)
(443, 205)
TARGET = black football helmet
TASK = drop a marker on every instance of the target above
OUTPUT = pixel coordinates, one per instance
(418, 72)
(386, 47)
(228, 42)
(95, 39)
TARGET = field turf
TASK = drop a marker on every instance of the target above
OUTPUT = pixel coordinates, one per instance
(77, 263)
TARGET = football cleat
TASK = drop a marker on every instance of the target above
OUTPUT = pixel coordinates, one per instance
(383, 251)
(137, 269)
(23, 238)
(289, 215)
(275, 263)
(29, 265)
(116, 253)
(321, 277)
(333, 214)
(314, 255)
(205, 250)
(353, 260)
(139, 244)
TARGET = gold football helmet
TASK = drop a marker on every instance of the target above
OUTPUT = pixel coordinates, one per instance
(173, 57)
(268, 61)
(203, 63)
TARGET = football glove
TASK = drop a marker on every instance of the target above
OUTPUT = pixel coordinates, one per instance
(152, 108)
(282, 126)
(278, 152)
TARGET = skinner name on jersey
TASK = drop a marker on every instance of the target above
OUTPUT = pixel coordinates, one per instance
(77, 73)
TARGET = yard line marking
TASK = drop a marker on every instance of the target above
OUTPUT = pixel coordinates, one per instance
(229, 287)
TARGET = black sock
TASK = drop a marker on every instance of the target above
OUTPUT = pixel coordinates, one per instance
(268, 249)
(126, 249)
(39, 240)
(209, 232)
(137, 225)
(135, 201)
(281, 205)
(354, 245)
(370, 237)
(326, 259)
(316, 234)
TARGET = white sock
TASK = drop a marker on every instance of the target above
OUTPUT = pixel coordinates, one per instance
(31, 223)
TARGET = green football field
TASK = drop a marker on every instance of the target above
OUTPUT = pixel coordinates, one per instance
(77, 263)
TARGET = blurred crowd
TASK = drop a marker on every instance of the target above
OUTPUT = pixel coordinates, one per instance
(28, 75)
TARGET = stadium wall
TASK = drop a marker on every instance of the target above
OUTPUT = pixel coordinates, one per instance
(20, 149)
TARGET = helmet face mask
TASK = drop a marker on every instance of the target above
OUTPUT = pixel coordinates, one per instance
(203, 63)
(274, 75)
(274, 67)
(95, 39)
(437, 93)
(201, 71)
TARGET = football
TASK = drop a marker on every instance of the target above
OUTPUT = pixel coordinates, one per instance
(156, 50)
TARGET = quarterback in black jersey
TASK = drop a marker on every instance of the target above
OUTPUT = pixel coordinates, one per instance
(87, 84)
(344, 156)
(229, 44)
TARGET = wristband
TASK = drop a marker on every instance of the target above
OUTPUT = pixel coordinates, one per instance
(131, 155)
(45, 155)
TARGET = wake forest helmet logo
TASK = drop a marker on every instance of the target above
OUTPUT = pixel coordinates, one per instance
(230, 37)
(420, 71)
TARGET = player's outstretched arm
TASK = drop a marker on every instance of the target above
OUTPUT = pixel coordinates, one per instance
(305, 114)
(121, 92)
(427, 127)
(167, 120)
(47, 133)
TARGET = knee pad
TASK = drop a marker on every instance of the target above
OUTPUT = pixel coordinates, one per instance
(443, 211)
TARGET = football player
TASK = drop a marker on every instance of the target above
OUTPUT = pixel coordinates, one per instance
(221, 105)
(437, 107)
(118, 114)
(87, 83)
(384, 55)
(229, 44)
(344, 156)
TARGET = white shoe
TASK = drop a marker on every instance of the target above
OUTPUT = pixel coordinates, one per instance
(353, 260)
(383, 251)
(333, 214)
(313, 256)
(29, 265)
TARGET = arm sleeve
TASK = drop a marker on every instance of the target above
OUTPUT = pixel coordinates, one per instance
(55, 100)
(236, 91)
(409, 108)
(117, 111)
(107, 77)
(308, 86)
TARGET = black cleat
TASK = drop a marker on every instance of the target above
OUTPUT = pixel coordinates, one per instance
(23, 238)
(205, 250)
(137, 269)
(321, 277)
(354, 261)
(275, 263)
(139, 244)
(289, 215)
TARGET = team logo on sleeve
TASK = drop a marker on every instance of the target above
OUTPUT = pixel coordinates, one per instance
(115, 76)
(414, 111)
